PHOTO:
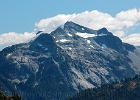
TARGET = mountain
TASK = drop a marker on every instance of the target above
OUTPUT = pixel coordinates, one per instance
(69, 59)
(128, 89)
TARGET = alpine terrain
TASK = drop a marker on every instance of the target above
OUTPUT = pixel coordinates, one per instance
(70, 59)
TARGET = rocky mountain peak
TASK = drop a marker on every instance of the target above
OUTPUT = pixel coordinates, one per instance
(43, 43)
(69, 59)
(70, 23)
(103, 31)
(38, 32)
(73, 27)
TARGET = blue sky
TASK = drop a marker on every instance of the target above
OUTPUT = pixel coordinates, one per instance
(20, 16)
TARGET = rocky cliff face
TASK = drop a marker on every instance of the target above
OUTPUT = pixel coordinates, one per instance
(69, 59)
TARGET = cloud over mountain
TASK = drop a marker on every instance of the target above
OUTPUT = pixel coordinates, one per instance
(133, 39)
(96, 20)
(13, 38)
(92, 19)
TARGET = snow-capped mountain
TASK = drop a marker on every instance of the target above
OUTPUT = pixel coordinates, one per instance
(69, 59)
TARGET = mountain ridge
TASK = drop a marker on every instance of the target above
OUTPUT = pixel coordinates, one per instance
(69, 59)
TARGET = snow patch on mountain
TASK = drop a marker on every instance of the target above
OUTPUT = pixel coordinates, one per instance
(16, 81)
(85, 35)
(104, 46)
(70, 48)
(102, 34)
(88, 41)
(39, 44)
(46, 48)
(24, 80)
(57, 40)
(92, 46)
(64, 40)
(36, 83)
(8, 55)
(83, 29)
(69, 34)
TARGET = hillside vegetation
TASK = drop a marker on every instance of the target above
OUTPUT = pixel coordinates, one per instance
(128, 89)
(13, 97)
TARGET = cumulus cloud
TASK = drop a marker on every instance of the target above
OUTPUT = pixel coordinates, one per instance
(119, 33)
(51, 24)
(128, 18)
(92, 19)
(95, 20)
(132, 39)
(14, 38)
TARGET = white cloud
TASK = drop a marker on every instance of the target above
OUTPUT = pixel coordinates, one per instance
(128, 18)
(119, 33)
(93, 19)
(132, 39)
(118, 24)
(51, 24)
(14, 38)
